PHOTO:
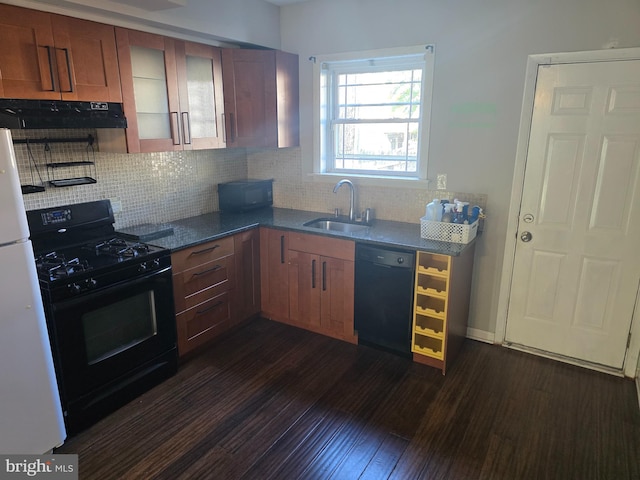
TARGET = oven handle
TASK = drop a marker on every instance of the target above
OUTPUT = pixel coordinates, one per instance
(64, 304)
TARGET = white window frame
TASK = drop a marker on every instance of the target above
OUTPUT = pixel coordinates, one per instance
(421, 53)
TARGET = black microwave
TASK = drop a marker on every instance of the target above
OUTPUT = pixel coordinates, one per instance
(244, 195)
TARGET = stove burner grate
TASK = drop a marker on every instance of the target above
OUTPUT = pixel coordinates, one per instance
(57, 266)
(119, 248)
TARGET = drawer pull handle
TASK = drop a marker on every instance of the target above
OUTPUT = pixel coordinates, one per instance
(209, 270)
(208, 309)
(204, 250)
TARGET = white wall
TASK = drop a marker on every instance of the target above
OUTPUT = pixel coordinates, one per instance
(481, 52)
(207, 21)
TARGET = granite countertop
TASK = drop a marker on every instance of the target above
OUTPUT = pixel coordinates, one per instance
(211, 226)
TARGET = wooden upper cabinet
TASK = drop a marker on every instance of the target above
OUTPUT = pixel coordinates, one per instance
(261, 98)
(86, 60)
(149, 91)
(172, 92)
(53, 57)
(201, 97)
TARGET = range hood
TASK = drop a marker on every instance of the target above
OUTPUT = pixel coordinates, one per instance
(27, 114)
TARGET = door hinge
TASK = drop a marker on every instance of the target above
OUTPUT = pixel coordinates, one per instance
(629, 340)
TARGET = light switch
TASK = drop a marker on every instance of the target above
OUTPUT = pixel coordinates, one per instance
(442, 181)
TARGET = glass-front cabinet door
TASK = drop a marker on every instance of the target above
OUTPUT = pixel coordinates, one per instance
(172, 92)
(149, 91)
(201, 99)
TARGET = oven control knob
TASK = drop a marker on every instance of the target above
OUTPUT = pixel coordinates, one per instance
(142, 267)
(92, 283)
(156, 262)
(75, 288)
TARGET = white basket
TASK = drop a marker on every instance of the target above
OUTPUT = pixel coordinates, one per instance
(448, 232)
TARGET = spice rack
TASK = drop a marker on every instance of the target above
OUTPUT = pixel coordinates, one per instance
(56, 170)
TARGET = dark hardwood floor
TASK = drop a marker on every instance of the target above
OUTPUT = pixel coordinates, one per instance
(275, 402)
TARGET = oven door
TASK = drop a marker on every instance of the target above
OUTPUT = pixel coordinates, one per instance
(104, 336)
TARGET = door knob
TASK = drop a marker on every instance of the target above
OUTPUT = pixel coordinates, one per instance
(526, 236)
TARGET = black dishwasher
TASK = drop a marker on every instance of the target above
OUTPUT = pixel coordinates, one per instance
(384, 280)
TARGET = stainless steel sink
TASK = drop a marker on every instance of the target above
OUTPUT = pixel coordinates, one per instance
(336, 225)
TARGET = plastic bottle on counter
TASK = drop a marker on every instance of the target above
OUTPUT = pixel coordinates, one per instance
(433, 211)
(447, 216)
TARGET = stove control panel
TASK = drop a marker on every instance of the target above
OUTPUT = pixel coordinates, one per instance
(147, 266)
(56, 217)
(92, 280)
(82, 286)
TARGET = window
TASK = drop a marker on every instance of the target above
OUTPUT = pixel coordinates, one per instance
(373, 112)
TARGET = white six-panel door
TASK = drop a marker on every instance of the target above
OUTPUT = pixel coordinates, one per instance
(577, 261)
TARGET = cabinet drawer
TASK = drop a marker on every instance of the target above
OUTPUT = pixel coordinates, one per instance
(322, 245)
(203, 322)
(206, 252)
(195, 285)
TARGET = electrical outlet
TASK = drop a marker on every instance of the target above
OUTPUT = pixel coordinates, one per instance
(442, 181)
(116, 205)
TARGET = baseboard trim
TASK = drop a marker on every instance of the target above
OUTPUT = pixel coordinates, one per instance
(481, 335)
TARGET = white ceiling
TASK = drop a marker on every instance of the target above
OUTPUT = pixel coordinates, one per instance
(285, 2)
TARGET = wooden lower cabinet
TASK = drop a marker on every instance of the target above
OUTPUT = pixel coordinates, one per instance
(202, 323)
(203, 288)
(307, 281)
(247, 266)
(216, 285)
(274, 273)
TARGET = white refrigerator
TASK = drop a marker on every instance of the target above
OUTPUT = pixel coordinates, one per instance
(30, 413)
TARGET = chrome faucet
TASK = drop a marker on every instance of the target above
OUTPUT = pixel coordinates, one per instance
(352, 193)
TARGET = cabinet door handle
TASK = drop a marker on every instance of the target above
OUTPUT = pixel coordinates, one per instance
(175, 128)
(67, 66)
(281, 248)
(224, 128)
(186, 128)
(313, 274)
(232, 128)
(208, 309)
(324, 276)
(205, 250)
(51, 79)
(209, 270)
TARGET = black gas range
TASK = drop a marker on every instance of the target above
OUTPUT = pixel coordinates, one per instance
(73, 270)
(109, 307)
